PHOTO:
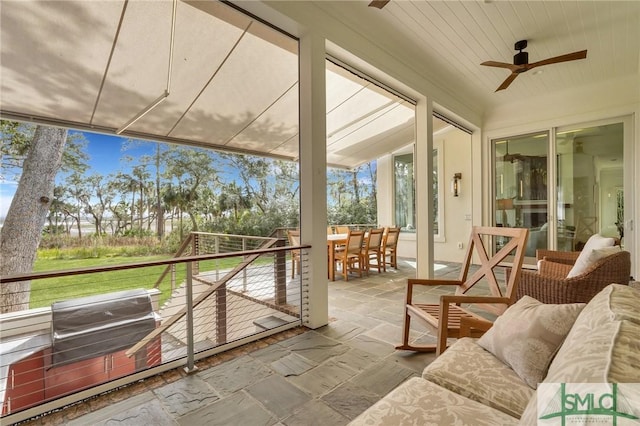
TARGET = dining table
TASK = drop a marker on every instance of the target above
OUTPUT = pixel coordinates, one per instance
(334, 240)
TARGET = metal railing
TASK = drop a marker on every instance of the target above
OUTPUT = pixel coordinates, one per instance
(209, 303)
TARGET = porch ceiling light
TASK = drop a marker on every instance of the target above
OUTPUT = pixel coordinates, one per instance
(455, 184)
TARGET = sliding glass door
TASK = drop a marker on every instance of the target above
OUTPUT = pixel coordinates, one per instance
(590, 193)
(521, 187)
(564, 201)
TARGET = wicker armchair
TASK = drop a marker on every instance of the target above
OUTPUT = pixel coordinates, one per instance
(550, 285)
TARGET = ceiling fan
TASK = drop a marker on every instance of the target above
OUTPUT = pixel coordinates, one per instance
(510, 157)
(379, 3)
(521, 62)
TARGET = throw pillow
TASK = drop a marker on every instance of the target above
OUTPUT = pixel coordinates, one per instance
(528, 334)
(595, 242)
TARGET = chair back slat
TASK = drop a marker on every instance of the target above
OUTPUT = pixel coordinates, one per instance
(481, 238)
(374, 241)
(354, 241)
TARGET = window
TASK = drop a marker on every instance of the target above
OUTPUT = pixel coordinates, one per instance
(404, 186)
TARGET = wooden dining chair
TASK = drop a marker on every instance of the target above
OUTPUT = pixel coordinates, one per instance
(372, 249)
(389, 248)
(445, 316)
(342, 229)
(294, 240)
(351, 254)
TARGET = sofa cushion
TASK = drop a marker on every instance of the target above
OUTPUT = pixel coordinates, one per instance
(420, 402)
(604, 354)
(585, 259)
(528, 334)
(467, 369)
(613, 303)
(610, 353)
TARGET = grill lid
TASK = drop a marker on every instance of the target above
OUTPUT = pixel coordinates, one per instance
(93, 326)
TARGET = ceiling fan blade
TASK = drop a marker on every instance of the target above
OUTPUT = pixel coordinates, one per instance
(508, 81)
(562, 58)
(379, 3)
(511, 67)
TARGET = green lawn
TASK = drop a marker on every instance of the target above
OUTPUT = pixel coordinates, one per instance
(49, 290)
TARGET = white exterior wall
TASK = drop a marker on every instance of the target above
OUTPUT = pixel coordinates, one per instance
(457, 211)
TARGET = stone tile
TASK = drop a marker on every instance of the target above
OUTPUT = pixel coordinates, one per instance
(416, 361)
(367, 322)
(316, 413)
(292, 365)
(350, 400)
(363, 285)
(270, 353)
(234, 375)
(143, 409)
(390, 317)
(237, 409)
(371, 345)
(374, 291)
(185, 395)
(393, 296)
(357, 359)
(389, 333)
(278, 396)
(341, 330)
(323, 378)
(366, 308)
(344, 315)
(343, 302)
(315, 347)
(382, 377)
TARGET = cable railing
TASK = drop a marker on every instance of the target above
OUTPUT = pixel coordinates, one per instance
(119, 324)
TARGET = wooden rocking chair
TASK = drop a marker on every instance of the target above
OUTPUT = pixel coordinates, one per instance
(446, 315)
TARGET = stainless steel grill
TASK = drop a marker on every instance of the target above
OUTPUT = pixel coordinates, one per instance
(93, 326)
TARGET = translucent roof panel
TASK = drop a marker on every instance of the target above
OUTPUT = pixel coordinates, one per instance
(232, 80)
(364, 121)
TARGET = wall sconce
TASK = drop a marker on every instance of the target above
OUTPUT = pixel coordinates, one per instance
(455, 184)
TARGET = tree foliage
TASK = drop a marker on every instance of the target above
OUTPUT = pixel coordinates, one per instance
(178, 189)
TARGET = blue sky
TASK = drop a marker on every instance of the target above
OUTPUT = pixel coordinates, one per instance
(105, 153)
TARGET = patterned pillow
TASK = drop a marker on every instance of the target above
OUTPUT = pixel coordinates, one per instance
(528, 334)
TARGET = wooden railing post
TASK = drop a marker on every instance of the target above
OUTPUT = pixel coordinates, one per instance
(195, 251)
(221, 314)
(173, 277)
(280, 274)
(244, 272)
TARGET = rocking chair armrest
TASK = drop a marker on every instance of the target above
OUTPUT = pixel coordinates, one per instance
(459, 299)
(428, 281)
(474, 327)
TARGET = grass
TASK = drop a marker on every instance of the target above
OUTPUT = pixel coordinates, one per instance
(49, 290)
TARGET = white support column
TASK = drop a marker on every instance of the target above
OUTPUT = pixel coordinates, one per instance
(313, 173)
(423, 167)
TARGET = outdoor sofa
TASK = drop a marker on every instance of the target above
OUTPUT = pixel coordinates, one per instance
(470, 385)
